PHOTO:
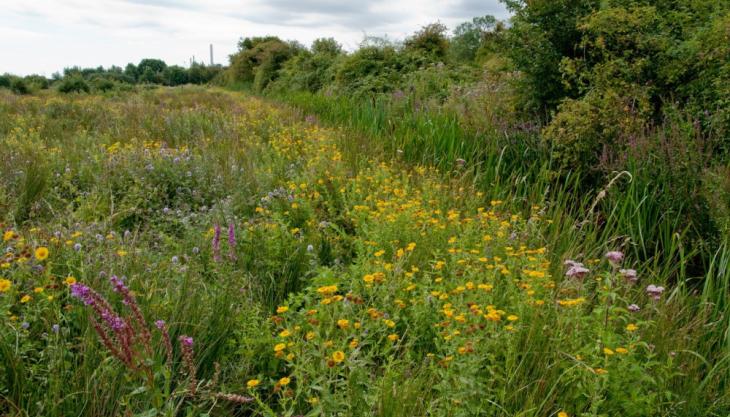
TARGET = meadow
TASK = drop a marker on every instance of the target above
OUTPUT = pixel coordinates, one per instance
(193, 251)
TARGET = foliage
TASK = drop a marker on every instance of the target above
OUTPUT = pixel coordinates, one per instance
(473, 39)
(74, 84)
(259, 60)
(431, 40)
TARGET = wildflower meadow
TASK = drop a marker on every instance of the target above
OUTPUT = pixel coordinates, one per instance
(193, 251)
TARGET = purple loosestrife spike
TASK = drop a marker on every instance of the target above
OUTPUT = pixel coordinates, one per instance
(217, 243)
(161, 326)
(186, 343)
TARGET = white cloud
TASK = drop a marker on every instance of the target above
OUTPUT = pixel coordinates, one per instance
(44, 36)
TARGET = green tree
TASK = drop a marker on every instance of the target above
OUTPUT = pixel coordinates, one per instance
(431, 40)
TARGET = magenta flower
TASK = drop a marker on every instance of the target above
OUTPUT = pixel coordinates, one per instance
(187, 341)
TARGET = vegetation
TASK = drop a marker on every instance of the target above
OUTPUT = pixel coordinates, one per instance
(101, 80)
(517, 218)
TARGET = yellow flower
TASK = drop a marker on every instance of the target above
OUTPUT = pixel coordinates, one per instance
(284, 381)
(38, 290)
(338, 356)
(607, 351)
(282, 309)
(41, 253)
(327, 290)
(354, 343)
(379, 253)
(252, 383)
(632, 327)
(512, 317)
(392, 337)
(563, 414)
(8, 235)
(5, 284)
(600, 371)
(122, 252)
(343, 323)
(279, 347)
(622, 350)
(70, 280)
(25, 299)
(285, 333)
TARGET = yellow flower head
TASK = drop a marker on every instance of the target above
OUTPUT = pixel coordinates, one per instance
(5, 284)
(8, 235)
(284, 381)
(252, 383)
(41, 253)
(338, 356)
(70, 280)
(25, 299)
(279, 347)
(282, 309)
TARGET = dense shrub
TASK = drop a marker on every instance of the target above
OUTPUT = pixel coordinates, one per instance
(430, 40)
(18, 86)
(73, 85)
(259, 60)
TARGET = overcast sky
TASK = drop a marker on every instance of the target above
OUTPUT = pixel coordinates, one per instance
(44, 36)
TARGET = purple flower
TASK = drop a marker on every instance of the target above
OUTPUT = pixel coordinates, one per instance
(187, 341)
(175, 259)
(615, 257)
(634, 308)
(629, 274)
(25, 325)
(55, 328)
(77, 247)
(118, 284)
(654, 291)
(160, 324)
(82, 292)
(111, 319)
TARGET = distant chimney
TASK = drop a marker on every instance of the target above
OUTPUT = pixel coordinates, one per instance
(211, 54)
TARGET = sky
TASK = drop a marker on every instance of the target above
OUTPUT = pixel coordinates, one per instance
(45, 36)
